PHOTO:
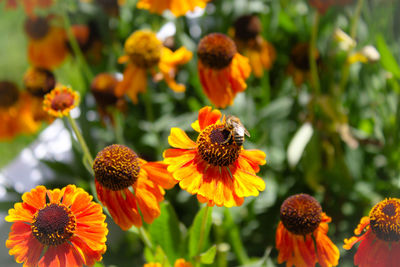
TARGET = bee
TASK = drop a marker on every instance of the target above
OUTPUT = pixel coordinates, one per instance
(236, 129)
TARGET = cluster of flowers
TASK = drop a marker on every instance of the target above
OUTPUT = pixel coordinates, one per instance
(64, 227)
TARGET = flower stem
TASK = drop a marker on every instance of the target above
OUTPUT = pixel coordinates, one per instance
(86, 153)
(145, 238)
(353, 34)
(202, 230)
(311, 55)
(75, 46)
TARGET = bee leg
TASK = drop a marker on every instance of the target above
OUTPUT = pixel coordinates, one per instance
(228, 138)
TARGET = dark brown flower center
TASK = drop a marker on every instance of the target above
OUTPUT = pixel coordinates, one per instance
(385, 219)
(301, 214)
(36, 27)
(144, 49)
(9, 94)
(39, 81)
(116, 167)
(62, 101)
(300, 56)
(53, 225)
(216, 146)
(216, 51)
(247, 27)
(103, 89)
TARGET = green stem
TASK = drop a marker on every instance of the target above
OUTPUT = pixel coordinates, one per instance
(149, 105)
(75, 46)
(202, 230)
(118, 128)
(145, 238)
(353, 34)
(236, 241)
(81, 140)
(311, 55)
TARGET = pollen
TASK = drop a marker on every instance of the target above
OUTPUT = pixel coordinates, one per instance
(116, 167)
(9, 94)
(144, 49)
(247, 27)
(301, 214)
(60, 101)
(39, 81)
(385, 219)
(53, 225)
(36, 27)
(215, 146)
(216, 50)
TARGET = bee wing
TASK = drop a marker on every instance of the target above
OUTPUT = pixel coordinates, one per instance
(246, 132)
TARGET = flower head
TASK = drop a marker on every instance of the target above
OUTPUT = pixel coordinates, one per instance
(177, 7)
(129, 186)
(145, 52)
(39, 81)
(60, 101)
(214, 167)
(379, 236)
(302, 223)
(46, 42)
(178, 263)
(247, 36)
(16, 114)
(299, 66)
(222, 70)
(57, 227)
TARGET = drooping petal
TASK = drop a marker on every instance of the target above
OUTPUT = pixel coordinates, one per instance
(133, 83)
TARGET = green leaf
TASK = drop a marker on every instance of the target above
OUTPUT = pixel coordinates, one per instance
(194, 232)
(208, 256)
(387, 59)
(165, 232)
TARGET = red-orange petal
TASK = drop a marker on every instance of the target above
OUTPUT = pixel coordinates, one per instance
(206, 117)
(158, 173)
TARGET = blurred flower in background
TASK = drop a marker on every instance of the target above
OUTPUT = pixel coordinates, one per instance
(57, 228)
(299, 65)
(222, 70)
(177, 7)
(145, 52)
(247, 36)
(379, 236)
(301, 237)
(214, 167)
(29, 5)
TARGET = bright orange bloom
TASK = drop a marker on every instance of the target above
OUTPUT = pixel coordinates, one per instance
(46, 42)
(299, 66)
(16, 112)
(60, 101)
(214, 167)
(379, 236)
(247, 36)
(144, 52)
(222, 71)
(29, 5)
(177, 7)
(129, 186)
(301, 237)
(57, 228)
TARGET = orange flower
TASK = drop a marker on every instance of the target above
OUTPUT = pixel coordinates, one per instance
(249, 41)
(301, 237)
(379, 236)
(145, 52)
(222, 70)
(323, 5)
(299, 66)
(16, 114)
(214, 167)
(177, 7)
(130, 186)
(103, 89)
(60, 101)
(57, 228)
(46, 43)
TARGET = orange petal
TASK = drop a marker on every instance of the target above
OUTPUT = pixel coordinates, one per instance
(179, 139)
(158, 173)
(207, 116)
(133, 83)
(254, 158)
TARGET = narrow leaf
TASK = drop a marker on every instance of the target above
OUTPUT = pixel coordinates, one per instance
(387, 59)
(208, 256)
(194, 233)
